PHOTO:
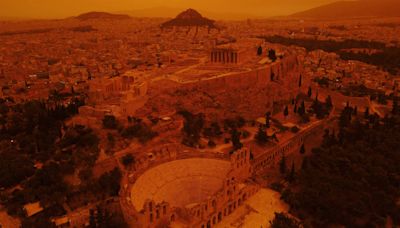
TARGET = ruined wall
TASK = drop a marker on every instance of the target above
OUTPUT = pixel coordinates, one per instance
(274, 154)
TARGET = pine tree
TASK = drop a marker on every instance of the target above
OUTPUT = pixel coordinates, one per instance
(395, 107)
(295, 108)
(302, 110)
(282, 165)
(286, 111)
(366, 113)
(261, 136)
(300, 80)
(272, 55)
(302, 149)
(328, 101)
(292, 174)
(259, 50)
(267, 119)
(235, 138)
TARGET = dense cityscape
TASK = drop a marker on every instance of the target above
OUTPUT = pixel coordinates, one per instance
(112, 120)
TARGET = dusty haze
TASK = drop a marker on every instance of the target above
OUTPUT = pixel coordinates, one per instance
(225, 8)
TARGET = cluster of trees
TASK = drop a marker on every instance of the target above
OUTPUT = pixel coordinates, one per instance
(110, 122)
(192, 128)
(139, 130)
(282, 220)
(353, 178)
(195, 127)
(38, 151)
(387, 58)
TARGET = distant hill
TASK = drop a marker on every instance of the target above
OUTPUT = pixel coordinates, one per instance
(189, 17)
(353, 9)
(102, 15)
(168, 12)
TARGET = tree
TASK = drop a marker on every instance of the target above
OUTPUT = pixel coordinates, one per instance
(235, 138)
(302, 109)
(366, 112)
(272, 55)
(286, 111)
(328, 102)
(292, 175)
(261, 136)
(309, 92)
(267, 119)
(110, 122)
(111, 140)
(395, 106)
(300, 80)
(282, 165)
(302, 149)
(259, 50)
(128, 160)
(282, 220)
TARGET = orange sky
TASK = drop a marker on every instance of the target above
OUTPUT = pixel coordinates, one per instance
(65, 8)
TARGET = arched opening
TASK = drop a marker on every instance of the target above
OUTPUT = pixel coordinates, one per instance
(214, 204)
(219, 216)
(172, 218)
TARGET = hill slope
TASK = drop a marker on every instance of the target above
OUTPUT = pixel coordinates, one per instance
(102, 15)
(353, 9)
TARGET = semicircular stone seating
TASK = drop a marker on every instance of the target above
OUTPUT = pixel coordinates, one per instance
(180, 182)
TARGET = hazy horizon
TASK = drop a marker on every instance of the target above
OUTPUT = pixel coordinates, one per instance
(50, 9)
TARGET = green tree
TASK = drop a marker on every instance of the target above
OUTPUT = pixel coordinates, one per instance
(282, 165)
(261, 136)
(366, 113)
(128, 160)
(328, 102)
(267, 119)
(259, 50)
(282, 220)
(286, 111)
(110, 122)
(300, 80)
(292, 175)
(395, 106)
(302, 149)
(272, 55)
(309, 93)
(235, 139)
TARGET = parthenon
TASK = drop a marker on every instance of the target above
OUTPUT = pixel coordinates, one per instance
(224, 55)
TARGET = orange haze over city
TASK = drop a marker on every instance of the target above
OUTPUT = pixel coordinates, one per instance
(199, 113)
(225, 8)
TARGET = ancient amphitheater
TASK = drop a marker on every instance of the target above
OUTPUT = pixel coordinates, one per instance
(181, 182)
